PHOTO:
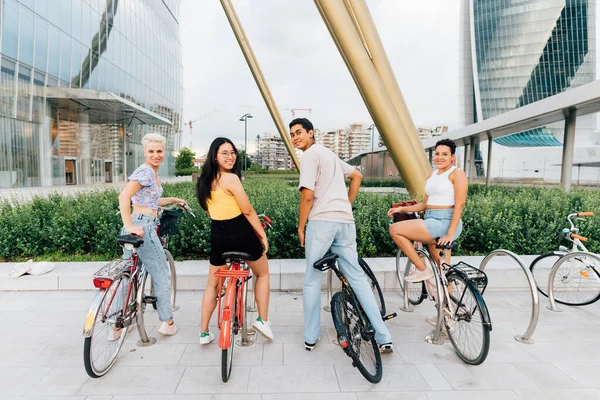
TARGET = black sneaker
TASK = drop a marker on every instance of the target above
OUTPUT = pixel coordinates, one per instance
(311, 347)
(386, 348)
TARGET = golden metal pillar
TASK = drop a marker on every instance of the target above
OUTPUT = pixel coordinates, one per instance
(349, 24)
(259, 78)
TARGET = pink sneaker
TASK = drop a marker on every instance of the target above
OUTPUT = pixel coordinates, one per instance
(418, 276)
(166, 329)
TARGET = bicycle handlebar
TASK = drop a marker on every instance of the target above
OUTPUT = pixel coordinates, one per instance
(576, 236)
(585, 214)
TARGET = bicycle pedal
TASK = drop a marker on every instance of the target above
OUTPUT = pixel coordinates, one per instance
(390, 316)
(149, 299)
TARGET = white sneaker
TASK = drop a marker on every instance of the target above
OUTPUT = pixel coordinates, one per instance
(264, 328)
(206, 338)
(418, 276)
(167, 330)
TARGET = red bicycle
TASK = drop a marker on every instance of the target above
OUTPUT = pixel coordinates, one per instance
(232, 305)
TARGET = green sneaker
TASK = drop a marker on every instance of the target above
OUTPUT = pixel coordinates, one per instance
(206, 337)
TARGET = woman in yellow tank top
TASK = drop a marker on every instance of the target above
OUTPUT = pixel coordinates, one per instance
(234, 227)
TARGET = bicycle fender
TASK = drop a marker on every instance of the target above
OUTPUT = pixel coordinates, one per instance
(91, 315)
(487, 320)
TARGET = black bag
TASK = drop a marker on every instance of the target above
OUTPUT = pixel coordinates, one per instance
(397, 217)
(169, 222)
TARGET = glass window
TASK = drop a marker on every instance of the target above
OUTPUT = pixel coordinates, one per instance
(54, 12)
(10, 28)
(26, 36)
(53, 50)
(75, 63)
(41, 43)
(52, 82)
(38, 78)
(28, 3)
(76, 19)
(87, 33)
(65, 57)
(65, 12)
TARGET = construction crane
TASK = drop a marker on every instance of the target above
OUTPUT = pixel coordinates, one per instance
(293, 110)
(189, 123)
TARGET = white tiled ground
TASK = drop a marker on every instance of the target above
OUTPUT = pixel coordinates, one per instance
(41, 356)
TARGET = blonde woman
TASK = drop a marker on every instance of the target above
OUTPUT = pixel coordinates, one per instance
(144, 191)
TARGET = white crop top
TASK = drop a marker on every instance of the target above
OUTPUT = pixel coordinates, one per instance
(439, 189)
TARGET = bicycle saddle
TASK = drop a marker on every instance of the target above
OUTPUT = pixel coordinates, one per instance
(450, 246)
(326, 262)
(237, 255)
(136, 241)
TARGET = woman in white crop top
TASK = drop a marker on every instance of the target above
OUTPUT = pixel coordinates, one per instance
(444, 201)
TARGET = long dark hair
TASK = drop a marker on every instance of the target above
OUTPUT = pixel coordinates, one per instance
(211, 170)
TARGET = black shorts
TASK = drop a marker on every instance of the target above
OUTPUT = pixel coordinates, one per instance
(234, 234)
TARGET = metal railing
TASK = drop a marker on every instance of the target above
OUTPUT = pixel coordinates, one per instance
(535, 301)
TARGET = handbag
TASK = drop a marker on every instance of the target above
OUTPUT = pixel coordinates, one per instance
(397, 217)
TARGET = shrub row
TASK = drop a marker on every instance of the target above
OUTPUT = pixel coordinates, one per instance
(523, 220)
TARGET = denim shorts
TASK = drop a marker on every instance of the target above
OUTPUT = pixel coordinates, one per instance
(437, 222)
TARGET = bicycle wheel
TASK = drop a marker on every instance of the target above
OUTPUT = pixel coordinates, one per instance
(577, 281)
(540, 269)
(377, 292)
(465, 322)
(171, 265)
(357, 340)
(228, 329)
(416, 290)
(107, 334)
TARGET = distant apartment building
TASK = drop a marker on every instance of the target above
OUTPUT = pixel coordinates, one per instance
(347, 143)
(272, 154)
(428, 133)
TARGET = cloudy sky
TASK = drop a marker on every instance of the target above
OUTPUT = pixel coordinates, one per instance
(303, 68)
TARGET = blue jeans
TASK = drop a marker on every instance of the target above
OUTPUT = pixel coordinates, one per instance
(153, 257)
(341, 238)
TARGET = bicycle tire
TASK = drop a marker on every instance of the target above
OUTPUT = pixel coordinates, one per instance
(467, 311)
(99, 333)
(228, 326)
(360, 347)
(416, 290)
(577, 281)
(540, 270)
(172, 269)
(377, 292)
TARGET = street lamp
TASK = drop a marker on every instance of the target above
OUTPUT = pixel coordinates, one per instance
(372, 129)
(245, 119)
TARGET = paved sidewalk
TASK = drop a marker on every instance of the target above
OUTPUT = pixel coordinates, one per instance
(41, 356)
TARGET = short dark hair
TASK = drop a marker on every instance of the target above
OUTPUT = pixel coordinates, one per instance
(306, 124)
(447, 142)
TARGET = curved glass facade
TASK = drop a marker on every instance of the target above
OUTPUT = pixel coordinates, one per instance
(55, 52)
(523, 51)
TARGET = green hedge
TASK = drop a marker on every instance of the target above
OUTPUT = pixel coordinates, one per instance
(523, 220)
(187, 171)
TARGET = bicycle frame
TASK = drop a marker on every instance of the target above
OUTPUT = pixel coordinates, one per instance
(236, 282)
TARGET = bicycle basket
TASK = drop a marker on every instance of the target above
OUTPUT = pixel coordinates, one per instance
(476, 275)
(397, 217)
(169, 222)
(111, 270)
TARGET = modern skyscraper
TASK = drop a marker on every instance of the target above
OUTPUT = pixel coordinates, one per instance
(516, 52)
(81, 82)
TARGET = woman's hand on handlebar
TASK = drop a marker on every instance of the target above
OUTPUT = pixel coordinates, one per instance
(393, 211)
(135, 230)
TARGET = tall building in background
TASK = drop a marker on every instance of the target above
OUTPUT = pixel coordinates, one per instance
(81, 82)
(516, 52)
(349, 142)
(272, 154)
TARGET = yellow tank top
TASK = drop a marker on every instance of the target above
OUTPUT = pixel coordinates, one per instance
(222, 206)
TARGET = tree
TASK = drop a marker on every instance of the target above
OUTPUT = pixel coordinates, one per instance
(242, 156)
(185, 159)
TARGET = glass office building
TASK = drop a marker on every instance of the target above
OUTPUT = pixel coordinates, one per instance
(81, 82)
(515, 52)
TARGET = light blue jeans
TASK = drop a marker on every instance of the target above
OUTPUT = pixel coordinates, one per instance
(153, 257)
(341, 238)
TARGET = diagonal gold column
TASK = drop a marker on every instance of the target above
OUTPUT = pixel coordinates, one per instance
(365, 26)
(240, 35)
(409, 158)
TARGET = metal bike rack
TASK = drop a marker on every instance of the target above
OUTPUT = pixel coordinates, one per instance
(145, 340)
(251, 306)
(406, 306)
(327, 306)
(435, 336)
(561, 261)
(535, 301)
(246, 339)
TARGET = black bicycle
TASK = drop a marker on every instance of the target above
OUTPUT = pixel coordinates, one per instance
(355, 333)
